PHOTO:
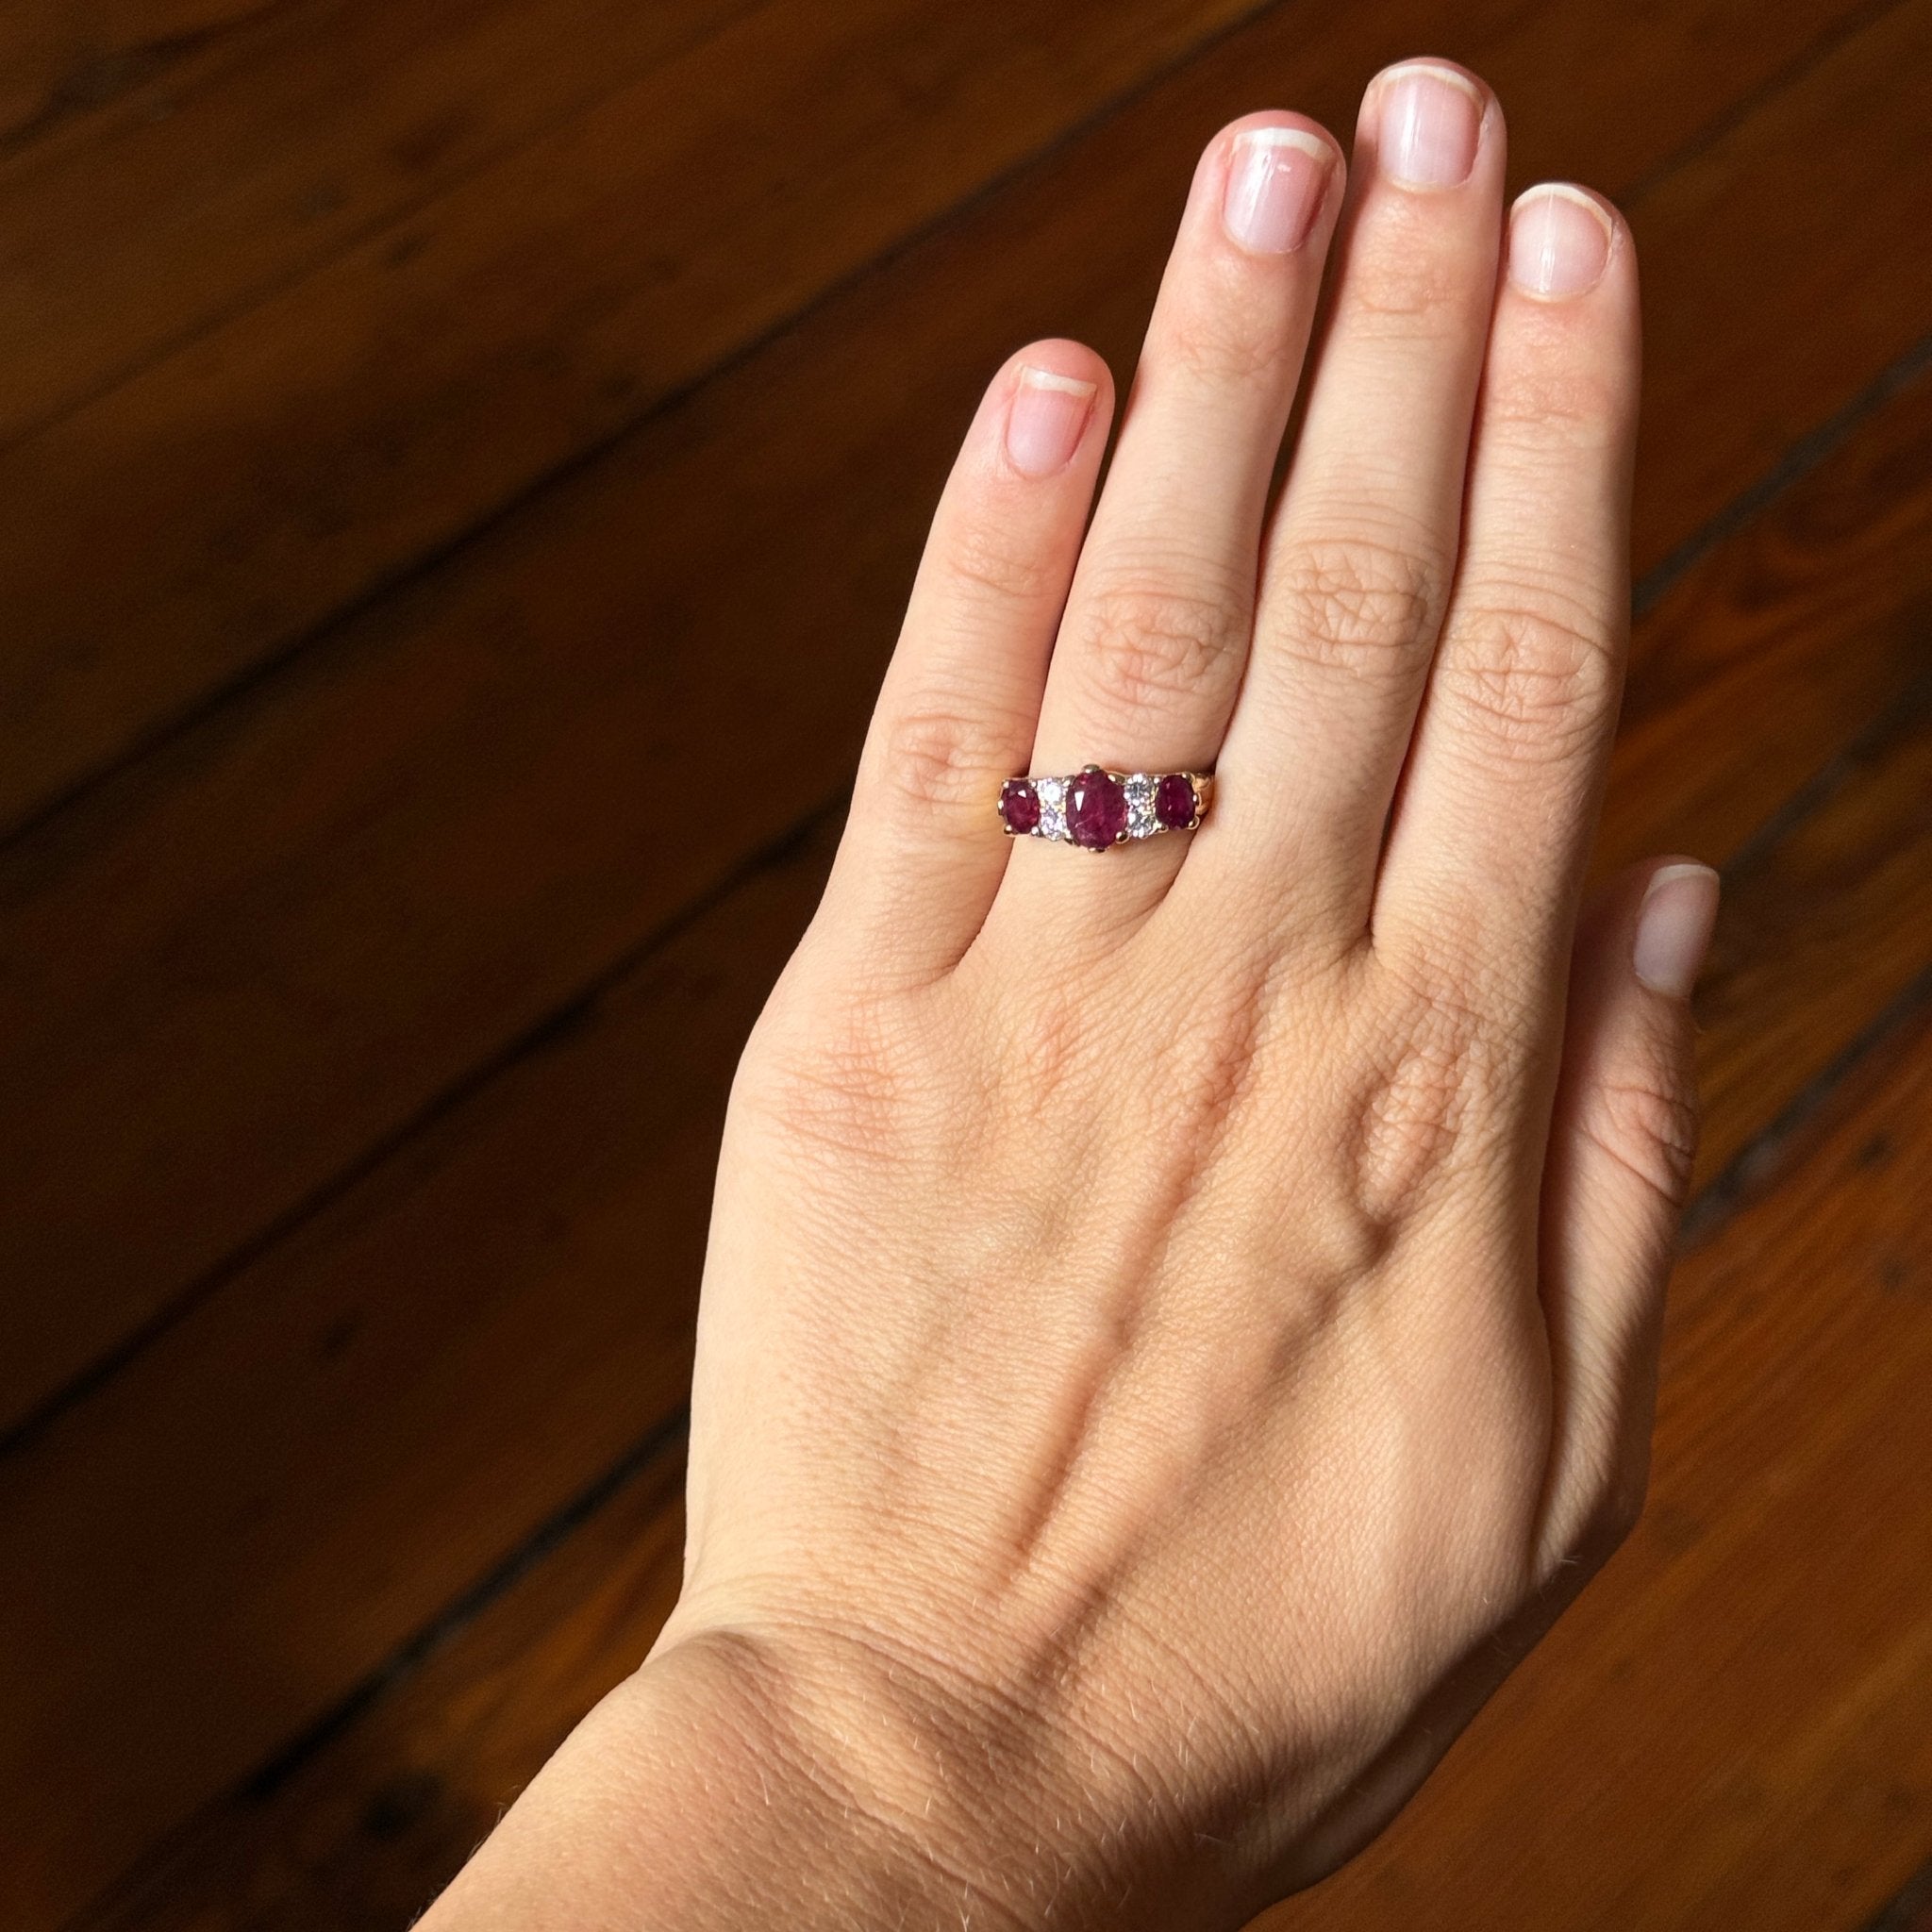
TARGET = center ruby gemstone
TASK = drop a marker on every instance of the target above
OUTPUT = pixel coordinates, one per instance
(1173, 801)
(1096, 809)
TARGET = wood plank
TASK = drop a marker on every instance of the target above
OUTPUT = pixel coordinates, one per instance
(1759, 1750)
(60, 60)
(463, 1342)
(357, 1385)
(1824, 929)
(261, 150)
(283, 464)
(361, 1834)
(1731, 655)
(269, 948)
(1820, 229)
(478, 320)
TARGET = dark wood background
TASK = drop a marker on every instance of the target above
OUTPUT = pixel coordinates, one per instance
(434, 435)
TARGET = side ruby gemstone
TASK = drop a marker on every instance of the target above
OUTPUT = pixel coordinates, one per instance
(1096, 809)
(1019, 806)
(1173, 801)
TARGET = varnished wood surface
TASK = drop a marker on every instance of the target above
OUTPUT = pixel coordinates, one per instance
(427, 432)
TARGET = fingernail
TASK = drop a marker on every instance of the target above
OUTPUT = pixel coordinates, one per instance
(1428, 126)
(1045, 420)
(1560, 242)
(1674, 928)
(1276, 182)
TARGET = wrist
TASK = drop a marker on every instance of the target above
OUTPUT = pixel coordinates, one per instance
(891, 1787)
(815, 1779)
(746, 1781)
(830, 1789)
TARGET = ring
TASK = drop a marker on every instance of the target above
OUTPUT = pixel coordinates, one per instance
(1096, 808)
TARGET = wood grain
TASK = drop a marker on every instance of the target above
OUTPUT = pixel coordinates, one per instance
(62, 60)
(437, 348)
(1729, 660)
(1825, 927)
(1797, 272)
(228, 160)
(286, 461)
(501, 1307)
(360, 1833)
(278, 941)
(509, 1299)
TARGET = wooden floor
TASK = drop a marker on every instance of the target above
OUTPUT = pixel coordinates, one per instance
(431, 433)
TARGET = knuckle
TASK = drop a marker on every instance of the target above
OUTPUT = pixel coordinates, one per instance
(1546, 403)
(1226, 341)
(1405, 286)
(1358, 602)
(1207, 1070)
(1002, 565)
(1534, 673)
(837, 1083)
(936, 756)
(1444, 962)
(1042, 1044)
(1647, 1124)
(1432, 1097)
(1155, 646)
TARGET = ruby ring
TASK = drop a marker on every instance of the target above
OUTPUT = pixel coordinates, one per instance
(1096, 808)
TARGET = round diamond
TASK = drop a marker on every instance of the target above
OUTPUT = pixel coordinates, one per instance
(1096, 808)
(1173, 801)
(1141, 823)
(1019, 804)
(1052, 807)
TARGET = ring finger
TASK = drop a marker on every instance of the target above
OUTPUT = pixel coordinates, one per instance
(1155, 636)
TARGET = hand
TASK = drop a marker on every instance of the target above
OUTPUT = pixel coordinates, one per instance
(1180, 1323)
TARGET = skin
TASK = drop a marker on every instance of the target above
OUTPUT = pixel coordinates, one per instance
(1180, 1324)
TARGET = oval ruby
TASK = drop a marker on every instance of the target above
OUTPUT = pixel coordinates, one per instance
(1173, 801)
(1019, 806)
(1096, 809)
